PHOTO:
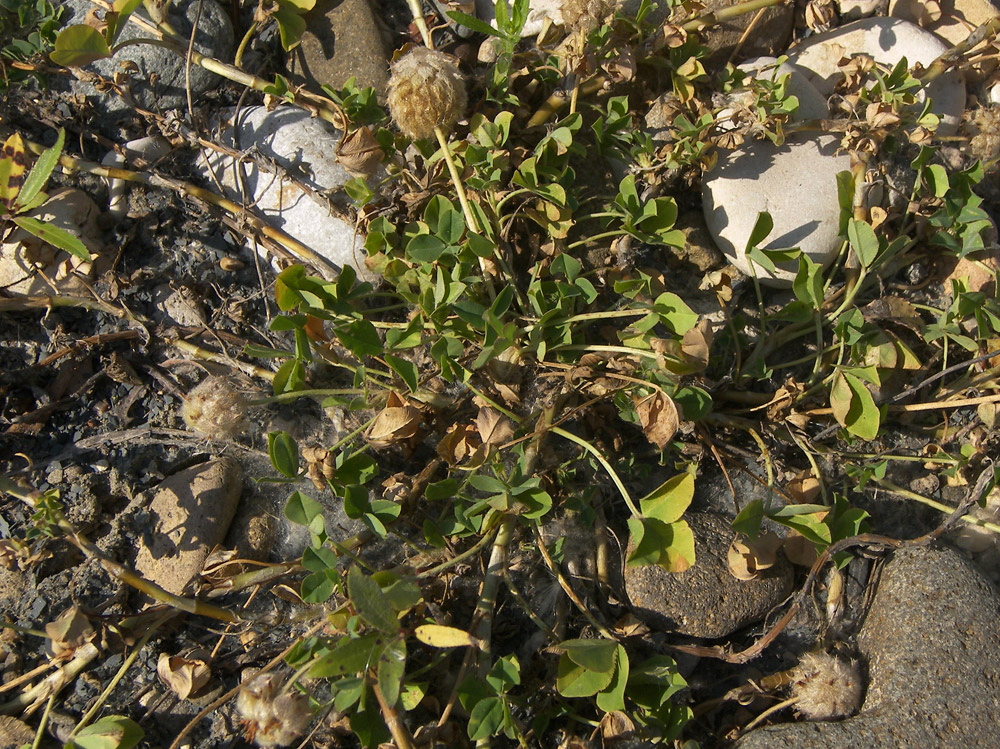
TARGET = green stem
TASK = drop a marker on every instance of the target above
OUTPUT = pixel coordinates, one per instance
(595, 237)
(238, 60)
(900, 491)
(604, 463)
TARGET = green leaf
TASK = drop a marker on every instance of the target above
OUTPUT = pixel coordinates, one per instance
(845, 198)
(405, 369)
(761, 228)
(110, 732)
(668, 501)
(291, 376)
(937, 178)
(319, 560)
(369, 726)
(674, 313)
(594, 655)
(670, 545)
(55, 236)
(808, 284)
(863, 242)
(749, 519)
(613, 696)
(472, 22)
(486, 717)
(79, 45)
(360, 337)
(426, 248)
(357, 468)
(284, 453)
(302, 509)
(505, 674)
(853, 405)
(318, 587)
(809, 520)
(291, 26)
(350, 656)
(41, 171)
(573, 680)
(390, 671)
(370, 601)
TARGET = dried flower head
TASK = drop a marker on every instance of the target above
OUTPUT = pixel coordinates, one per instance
(272, 719)
(426, 90)
(586, 15)
(216, 408)
(985, 127)
(826, 687)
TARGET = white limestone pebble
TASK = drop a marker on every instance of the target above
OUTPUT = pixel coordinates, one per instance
(887, 41)
(796, 183)
(304, 148)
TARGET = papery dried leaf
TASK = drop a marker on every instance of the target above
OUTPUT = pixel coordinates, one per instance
(630, 625)
(672, 37)
(803, 488)
(747, 559)
(622, 68)
(184, 676)
(616, 725)
(69, 631)
(359, 152)
(659, 418)
(820, 15)
(880, 115)
(799, 549)
(494, 428)
(397, 422)
(696, 343)
(460, 442)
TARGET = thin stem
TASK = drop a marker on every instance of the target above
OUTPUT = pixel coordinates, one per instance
(906, 493)
(604, 463)
(421, 23)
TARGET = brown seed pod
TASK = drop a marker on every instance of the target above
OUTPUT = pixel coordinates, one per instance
(426, 90)
(216, 409)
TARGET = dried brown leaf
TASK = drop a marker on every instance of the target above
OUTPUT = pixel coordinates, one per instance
(696, 343)
(397, 422)
(460, 442)
(616, 725)
(69, 631)
(359, 152)
(659, 418)
(803, 488)
(748, 558)
(184, 676)
(494, 428)
(799, 549)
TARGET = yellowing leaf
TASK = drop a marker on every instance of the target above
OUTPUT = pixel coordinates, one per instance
(440, 636)
(853, 405)
(668, 501)
(12, 168)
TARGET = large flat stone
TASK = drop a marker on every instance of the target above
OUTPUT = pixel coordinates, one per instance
(796, 183)
(705, 600)
(341, 41)
(932, 644)
(190, 514)
(887, 41)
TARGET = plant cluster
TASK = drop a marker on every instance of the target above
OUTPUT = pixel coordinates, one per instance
(534, 382)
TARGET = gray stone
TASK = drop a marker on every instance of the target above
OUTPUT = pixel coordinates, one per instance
(887, 41)
(706, 600)
(160, 82)
(304, 148)
(342, 41)
(763, 177)
(932, 644)
(769, 36)
(190, 514)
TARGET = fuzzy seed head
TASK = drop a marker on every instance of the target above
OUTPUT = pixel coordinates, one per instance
(272, 719)
(426, 90)
(826, 687)
(586, 15)
(216, 409)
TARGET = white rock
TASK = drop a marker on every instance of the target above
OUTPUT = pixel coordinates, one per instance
(795, 183)
(539, 12)
(886, 40)
(305, 148)
(812, 104)
(24, 258)
(994, 93)
(952, 20)
(140, 152)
